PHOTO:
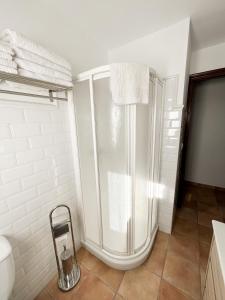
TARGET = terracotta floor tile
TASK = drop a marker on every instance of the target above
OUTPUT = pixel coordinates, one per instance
(118, 297)
(44, 295)
(204, 255)
(139, 284)
(205, 192)
(220, 199)
(209, 209)
(184, 246)
(81, 253)
(186, 228)
(189, 201)
(193, 191)
(221, 204)
(183, 274)
(156, 261)
(222, 209)
(205, 219)
(207, 196)
(169, 292)
(202, 274)
(88, 260)
(187, 214)
(110, 276)
(92, 288)
(220, 195)
(161, 240)
(205, 234)
(208, 200)
(223, 213)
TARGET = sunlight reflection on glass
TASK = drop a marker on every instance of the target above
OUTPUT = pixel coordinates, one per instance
(156, 190)
(115, 123)
(119, 197)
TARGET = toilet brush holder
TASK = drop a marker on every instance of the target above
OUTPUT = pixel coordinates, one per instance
(64, 247)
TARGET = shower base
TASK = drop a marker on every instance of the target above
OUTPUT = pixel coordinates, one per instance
(122, 262)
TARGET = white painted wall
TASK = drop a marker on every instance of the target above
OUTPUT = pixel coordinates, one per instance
(36, 173)
(167, 51)
(56, 26)
(208, 59)
(206, 144)
(82, 31)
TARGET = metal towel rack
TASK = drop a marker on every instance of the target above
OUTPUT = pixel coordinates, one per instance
(51, 87)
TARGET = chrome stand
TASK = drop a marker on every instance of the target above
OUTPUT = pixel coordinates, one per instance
(68, 279)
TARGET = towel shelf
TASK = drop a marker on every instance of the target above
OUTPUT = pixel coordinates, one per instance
(51, 87)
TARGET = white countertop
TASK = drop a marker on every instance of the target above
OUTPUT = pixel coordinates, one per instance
(219, 233)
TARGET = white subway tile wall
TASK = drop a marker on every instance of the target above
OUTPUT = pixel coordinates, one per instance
(169, 153)
(36, 174)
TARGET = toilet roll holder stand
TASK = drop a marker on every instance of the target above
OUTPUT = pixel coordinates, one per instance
(62, 235)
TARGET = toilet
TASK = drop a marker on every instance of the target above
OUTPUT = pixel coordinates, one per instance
(7, 269)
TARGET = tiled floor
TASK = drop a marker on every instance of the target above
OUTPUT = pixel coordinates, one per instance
(174, 270)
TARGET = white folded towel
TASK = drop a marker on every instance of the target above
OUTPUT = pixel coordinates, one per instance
(43, 77)
(32, 57)
(30, 66)
(8, 63)
(8, 69)
(129, 83)
(5, 55)
(17, 40)
(5, 47)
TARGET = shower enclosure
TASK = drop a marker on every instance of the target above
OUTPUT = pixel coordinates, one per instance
(119, 158)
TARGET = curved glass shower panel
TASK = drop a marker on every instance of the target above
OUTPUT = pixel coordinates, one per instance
(112, 139)
(119, 153)
(87, 162)
(141, 210)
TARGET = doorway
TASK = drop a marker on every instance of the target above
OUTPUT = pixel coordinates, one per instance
(200, 196)
(201, 173)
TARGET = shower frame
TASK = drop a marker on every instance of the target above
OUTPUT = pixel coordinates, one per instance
(133, 257)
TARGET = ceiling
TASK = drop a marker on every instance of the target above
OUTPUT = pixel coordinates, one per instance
(83, 30)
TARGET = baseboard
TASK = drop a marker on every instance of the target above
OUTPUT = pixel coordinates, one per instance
(206, 186)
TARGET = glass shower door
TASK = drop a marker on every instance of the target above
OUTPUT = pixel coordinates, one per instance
(112, 146)
(87, 161)
(142, 159)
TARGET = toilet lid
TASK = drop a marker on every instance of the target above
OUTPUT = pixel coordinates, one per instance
(5, 248)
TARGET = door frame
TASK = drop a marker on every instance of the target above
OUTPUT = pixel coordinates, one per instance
(194, 80)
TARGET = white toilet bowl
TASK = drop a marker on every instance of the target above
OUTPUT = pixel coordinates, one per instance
(7, 269)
